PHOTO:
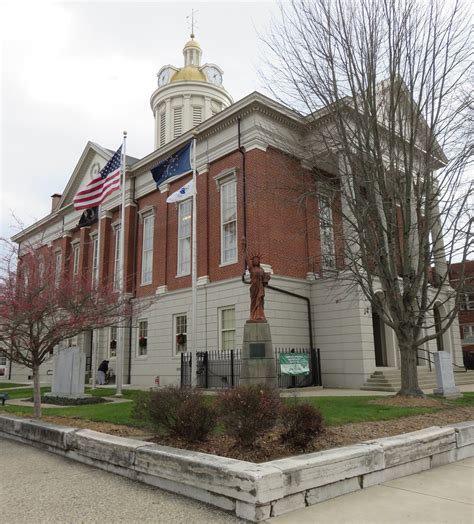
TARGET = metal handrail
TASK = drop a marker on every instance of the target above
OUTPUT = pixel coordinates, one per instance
(464, 368)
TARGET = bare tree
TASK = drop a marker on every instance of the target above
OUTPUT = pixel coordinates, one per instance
(41, 307)
(384, 86)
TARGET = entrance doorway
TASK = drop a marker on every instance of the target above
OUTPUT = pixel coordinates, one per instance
(380, 346)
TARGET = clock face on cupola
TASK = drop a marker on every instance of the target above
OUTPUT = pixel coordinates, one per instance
(188, 95)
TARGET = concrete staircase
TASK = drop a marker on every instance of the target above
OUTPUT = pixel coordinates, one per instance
(388, 379)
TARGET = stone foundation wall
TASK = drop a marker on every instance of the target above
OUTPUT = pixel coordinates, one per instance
(253, 491)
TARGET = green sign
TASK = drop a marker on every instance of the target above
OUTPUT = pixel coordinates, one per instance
(294, 363)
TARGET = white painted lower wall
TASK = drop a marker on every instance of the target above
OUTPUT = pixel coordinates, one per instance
(342, 329)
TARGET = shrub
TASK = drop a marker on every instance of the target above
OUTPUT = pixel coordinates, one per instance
(141, 406)
(249, 411)
(301, 423)
(182, 412)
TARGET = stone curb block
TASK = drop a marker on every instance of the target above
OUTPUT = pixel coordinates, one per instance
(106, 448)
(244, 481)
(416, 445)
(325, 467)
(43, 432)
(464, 433)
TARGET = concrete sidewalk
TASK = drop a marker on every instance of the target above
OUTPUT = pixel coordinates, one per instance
(440, 495)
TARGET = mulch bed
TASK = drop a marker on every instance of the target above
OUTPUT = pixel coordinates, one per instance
(271, 447)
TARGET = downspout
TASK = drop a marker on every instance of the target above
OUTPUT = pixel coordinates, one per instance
(244, 189)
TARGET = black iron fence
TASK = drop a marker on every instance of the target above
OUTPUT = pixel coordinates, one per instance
(221, 369)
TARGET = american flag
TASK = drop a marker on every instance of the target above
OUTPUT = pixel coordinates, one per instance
(105, 183)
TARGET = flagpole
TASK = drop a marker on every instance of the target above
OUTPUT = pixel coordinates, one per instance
(122, 277)
(194, 273)
(95, 284)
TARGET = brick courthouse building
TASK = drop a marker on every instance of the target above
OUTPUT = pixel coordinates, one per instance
(252, 143)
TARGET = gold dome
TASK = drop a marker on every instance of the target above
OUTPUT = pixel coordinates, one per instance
(189, 73)
(192, 43)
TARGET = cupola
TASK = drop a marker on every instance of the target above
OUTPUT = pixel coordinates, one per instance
(187, 96)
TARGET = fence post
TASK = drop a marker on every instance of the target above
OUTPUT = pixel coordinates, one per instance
(320, 380)
(182, 368)
(232, 367)
(206, 370)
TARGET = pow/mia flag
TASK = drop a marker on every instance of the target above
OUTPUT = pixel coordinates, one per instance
(89, 217)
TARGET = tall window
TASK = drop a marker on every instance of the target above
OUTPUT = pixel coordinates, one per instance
(227, 328)
(162, 128)
(142, 338)
(75, 259)
(3, 365)
(147, 250)
(95, 260)
(228, 192)
(197, 115)
(57, 268)
(180, 333)
(184, 237)
(118, 249)
(467, 301)
(113, 342)
(326, 232)
(177, 121)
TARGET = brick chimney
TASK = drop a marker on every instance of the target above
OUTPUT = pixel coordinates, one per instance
(55, 201)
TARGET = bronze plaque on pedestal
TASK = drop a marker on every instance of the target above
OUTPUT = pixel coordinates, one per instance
(256, 350)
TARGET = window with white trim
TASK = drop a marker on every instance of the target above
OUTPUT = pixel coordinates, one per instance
(147, 249)
(142, 342)
(467, 301)
(177, 121)
(3, 365)
(113, 340)
(468, 334)
(75, 259)
(180, 333)
(95, 260)
(326, 230)
(41, 271)
(228, 192)
(118, 250)
(57, 268)
(227, 328)
(184, 237)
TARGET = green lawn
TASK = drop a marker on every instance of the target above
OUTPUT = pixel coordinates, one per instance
(5, 385)
(335, 410)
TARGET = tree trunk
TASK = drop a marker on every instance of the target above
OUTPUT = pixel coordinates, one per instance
(409, 373)
(36, 391)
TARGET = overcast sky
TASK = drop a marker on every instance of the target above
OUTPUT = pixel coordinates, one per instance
(73, 72)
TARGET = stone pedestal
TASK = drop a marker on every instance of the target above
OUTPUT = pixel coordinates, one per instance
(445, 376)
(258, 365)
(69, 374)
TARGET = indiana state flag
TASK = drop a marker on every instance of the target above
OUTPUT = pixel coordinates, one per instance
(177, 164)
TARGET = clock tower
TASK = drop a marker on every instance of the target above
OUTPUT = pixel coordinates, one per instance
(187, 96)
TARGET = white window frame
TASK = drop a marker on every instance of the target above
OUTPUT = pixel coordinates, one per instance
(76, 251)
(118, 280)
(467, 302)
(177, 351)
(222, 329)
(95, 259)
(112, 330)
(58, 259)
(468, 331)
(328, 256)
(3, 366)
(147, 251)
(222, 188)
(140, 323)
(180, 272)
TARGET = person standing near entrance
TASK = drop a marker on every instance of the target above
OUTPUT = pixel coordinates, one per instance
(102, 371)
